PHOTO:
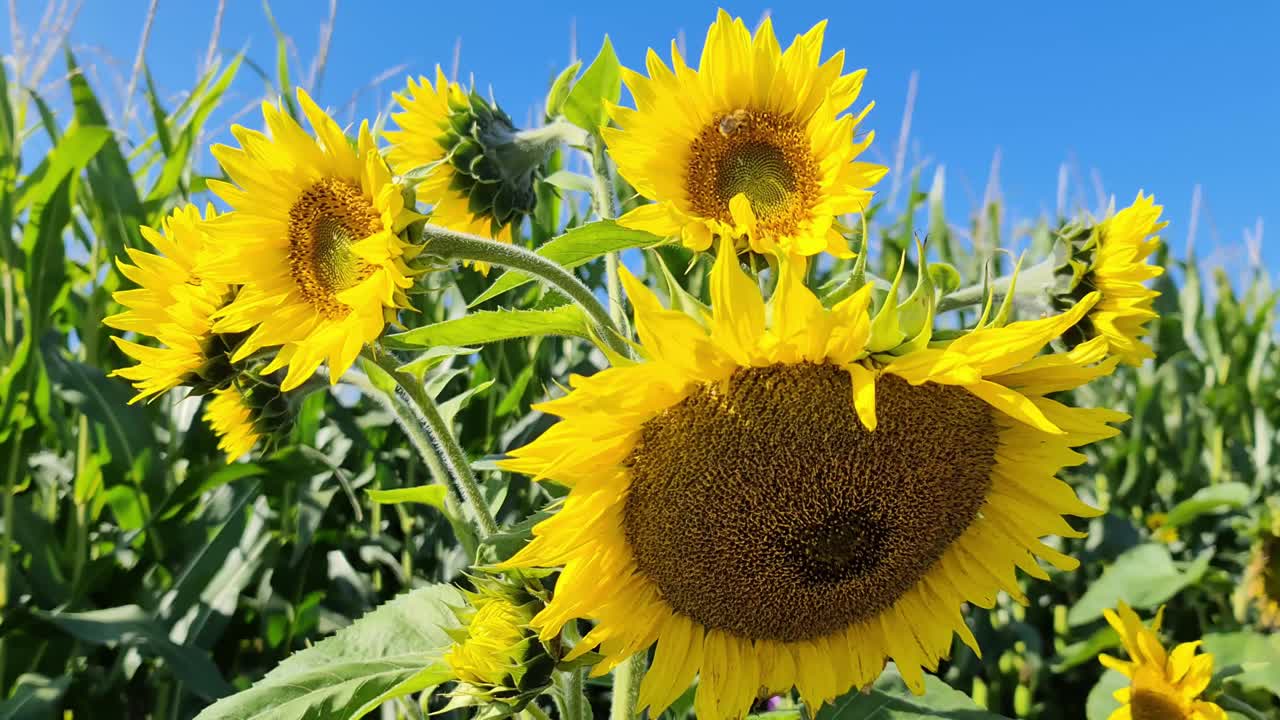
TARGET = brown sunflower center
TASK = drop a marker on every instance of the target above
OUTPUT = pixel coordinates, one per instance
(1155, 705)
(324, 222)
(763, 507)
(762, 155)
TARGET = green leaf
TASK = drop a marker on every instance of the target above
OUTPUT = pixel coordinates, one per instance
(576, 247)
(74, 150)
(130, 625)
(1257, 654)
(560, 89)
(491, 326)
(46, 270)
(128, 429)
(392, 651)
(890, 699)
(1101, 704)
(1143, 576)
(432, 495)
(1082, 652)
(601, 83)
(34, 697)
(1214, 497)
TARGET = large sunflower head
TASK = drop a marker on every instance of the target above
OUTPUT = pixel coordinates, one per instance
(1162, 685)
(754, 144)
(1112, 258)
(772, 503)
(314, 240)
(175, 304)
(479, 175)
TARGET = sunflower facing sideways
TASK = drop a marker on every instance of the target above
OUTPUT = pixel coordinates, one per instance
(774, 506)
(1162, 685)
(752, 145)
(480, 168)
(173, 304)
(314, 239)
(1112, 258)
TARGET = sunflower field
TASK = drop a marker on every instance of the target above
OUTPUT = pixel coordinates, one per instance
(653, 408)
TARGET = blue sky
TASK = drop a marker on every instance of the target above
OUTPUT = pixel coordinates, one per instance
(1161, 97)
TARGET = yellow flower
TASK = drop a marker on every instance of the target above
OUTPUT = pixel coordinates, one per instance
(1262, 580)
(232, 419)
(494, 646)
(472, 186)
(313, 240)
(1120, 269)
(751, 144)
(771, 505)
(173, 303)
(1162, 686)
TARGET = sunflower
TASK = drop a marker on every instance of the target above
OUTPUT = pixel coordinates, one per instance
(478, 182)
(232, 418)
(314, 240)
(1162, 686)
(173, 303)
(751, 144)
(494, 644)
(1262, 580)
(773, 506)
(1122, 245)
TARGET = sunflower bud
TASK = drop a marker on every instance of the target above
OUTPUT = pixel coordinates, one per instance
(497, 660)
(1111, 257)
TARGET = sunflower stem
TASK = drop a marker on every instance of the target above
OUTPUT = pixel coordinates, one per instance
(1033, 281)
(444, 243)
(606, 206)
(626, 687)
(417, 414)
(1229, 703)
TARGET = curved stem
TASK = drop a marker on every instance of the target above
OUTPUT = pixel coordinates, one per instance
(1035, 280)
(1229, 703)
(444, 243)
(626, 687)
(431, 436)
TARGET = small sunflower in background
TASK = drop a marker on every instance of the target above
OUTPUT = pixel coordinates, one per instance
(754, 145)
(314, 241)
(478, 168)
(1261, 587)
(1162, 685)
(231, 418)
(174, 304)
(773, 505)
(1112, 259)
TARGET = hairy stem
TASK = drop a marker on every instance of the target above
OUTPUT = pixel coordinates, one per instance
(444, 243)
(1032, 281)
(626, 687)
(452, 458)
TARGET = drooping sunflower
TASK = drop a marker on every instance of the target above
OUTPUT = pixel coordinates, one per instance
(1119, 249)
(481, 176)
(772, 506)
(314, 240)
(174, 304)
(496, 658)
(1162, 685)
(233, 420)
(753, 144)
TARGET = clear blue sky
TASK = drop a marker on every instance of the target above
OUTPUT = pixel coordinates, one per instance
(1157, 97)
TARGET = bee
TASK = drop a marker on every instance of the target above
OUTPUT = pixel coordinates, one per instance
(730, 123)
